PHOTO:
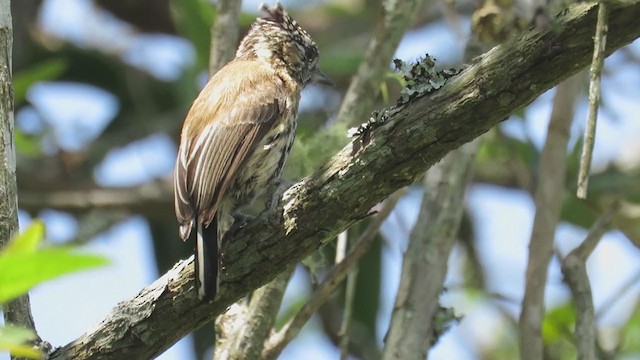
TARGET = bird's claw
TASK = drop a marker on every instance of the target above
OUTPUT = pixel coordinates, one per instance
(280, 187)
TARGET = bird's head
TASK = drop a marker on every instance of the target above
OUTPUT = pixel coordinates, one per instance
(278, 40)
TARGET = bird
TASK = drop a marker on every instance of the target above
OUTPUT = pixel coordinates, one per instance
(238, 133)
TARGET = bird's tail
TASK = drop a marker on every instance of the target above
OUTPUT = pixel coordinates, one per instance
(207, 262)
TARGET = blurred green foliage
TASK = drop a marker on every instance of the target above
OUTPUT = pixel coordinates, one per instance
(25, 264)
(16, 340)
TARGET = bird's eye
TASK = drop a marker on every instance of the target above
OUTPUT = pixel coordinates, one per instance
(310, 53)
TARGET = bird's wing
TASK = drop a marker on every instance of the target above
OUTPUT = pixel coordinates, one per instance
(223, 128)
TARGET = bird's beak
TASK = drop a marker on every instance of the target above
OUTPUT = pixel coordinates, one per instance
(319, 77)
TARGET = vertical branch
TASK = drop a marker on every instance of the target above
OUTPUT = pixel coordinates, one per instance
(548, 200)
(278, 341)
(395, 19)
(594, 99)
(424, 265)
(224, 34)
(575, 273)
(430, 245)
(341, 252)
(257, 320)
(17, 312)
(350, 294)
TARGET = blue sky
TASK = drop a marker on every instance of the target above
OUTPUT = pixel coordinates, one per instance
(66, 308)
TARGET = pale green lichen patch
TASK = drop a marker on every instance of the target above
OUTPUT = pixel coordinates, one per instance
(421, 78)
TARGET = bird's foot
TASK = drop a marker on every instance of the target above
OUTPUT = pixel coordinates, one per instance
(241, 220)
(280, 186)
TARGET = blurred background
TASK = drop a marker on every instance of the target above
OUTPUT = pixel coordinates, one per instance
(102, 88)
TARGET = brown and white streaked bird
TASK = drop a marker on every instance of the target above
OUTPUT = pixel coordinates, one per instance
(238, 133)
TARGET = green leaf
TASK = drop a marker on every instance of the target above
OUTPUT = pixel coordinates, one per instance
(27, 241)
(20, 271)
(631, 333)
(47, 70)
(368, 284)
(15, 340)
(26, 145)
(558, 323)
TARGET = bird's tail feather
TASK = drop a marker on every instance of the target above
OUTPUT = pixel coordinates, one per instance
(207, 262)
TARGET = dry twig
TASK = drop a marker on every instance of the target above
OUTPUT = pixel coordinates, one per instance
(574, 268)
(595, 73)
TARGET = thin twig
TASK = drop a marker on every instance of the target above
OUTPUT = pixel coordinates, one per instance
(341, 246)
(341, 252)
(597, 231)
(278, 341)
(224, 34)
(575, 273)
(594, 99)
(548, 199)
(155, 195)
(350, 294)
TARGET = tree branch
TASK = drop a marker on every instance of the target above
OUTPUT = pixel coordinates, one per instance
(224, 34)
(149, 198)
(17, 311)
(257, 320)
(548, 200)
(597, 64)
(392, 153)
(574, 268)
(424, 264)
(278, 341)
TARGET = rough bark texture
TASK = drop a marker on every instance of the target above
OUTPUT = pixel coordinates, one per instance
(390, 155)
(257, 320)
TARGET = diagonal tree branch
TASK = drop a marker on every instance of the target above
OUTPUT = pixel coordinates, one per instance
(152, 198)
(392, 152)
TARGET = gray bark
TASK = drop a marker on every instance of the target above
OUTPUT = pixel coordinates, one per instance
(548, 199)
(424, 264)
